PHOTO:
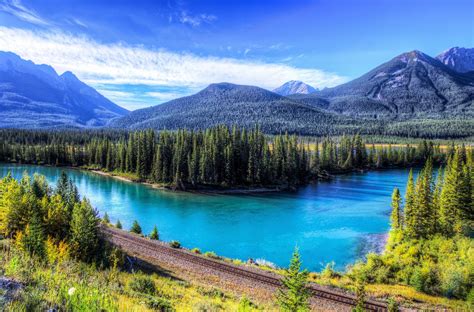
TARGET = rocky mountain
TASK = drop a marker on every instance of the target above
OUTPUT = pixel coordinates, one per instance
(411, 85)
(35, 96)
(294, 87)
(459, 59)
(230, 104)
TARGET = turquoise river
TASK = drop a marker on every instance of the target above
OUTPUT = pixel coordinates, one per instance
(336, 221)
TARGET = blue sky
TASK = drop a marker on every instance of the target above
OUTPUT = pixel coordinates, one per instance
(141, 53)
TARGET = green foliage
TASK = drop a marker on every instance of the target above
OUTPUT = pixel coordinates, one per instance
(328, 271)
(118, 225)
(433, 250)
(361, 296)
(33, 237)
(142, 284)
(219, 156)
(392, 305)
(211, 254)
(106, 218)
(245, 305)
(396, 217)
(84, 231)
(293, 296)
(136, 228)
(175, 244)
(154, 234)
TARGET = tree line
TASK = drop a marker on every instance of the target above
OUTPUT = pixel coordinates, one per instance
(216, 156)
(430, 242)
(442, 205)
(36, 215)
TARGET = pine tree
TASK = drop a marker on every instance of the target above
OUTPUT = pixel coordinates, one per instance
(33, 237)
(57, 216)
(361, 296)
(84, 231)
(106, 218)
(452, 200)
(293, 296)
(396, 218)
(154, 234)
(118, 225)
(422, 214)
(136, 228)
(409, 204)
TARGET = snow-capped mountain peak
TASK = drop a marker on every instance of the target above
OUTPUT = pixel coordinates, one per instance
(294, 87)
(458, 59)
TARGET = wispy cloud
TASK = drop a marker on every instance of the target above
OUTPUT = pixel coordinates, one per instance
(196, 20)
(118, 64)
(16, 8)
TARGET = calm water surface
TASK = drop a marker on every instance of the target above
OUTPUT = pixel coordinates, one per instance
(329, 221)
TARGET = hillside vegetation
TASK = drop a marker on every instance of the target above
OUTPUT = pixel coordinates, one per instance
(218, 157)
(57, 259)
(430, 245)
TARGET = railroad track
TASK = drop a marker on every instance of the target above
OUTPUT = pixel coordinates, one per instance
(122, 238)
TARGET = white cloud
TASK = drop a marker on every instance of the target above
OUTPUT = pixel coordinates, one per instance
(16, 8)
(196, 20)
(117, 64)
(164, 96)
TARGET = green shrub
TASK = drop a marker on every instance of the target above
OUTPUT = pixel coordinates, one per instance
(136, 228)
(329, 272)
(211, 254)
(159, 304)
(142, 284)
(392, 305)
(175, 244)
(205, 306)
(245, 305)
(196, 251)
(470, 299)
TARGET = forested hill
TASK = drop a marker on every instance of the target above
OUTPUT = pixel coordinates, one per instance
(411, 95)
(35, 96)
(231, 104)
(411, 85)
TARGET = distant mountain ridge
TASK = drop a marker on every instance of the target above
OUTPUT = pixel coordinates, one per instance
(294, 87)
(231, 104)
(411, 85)
(458, 59)
(35, 96)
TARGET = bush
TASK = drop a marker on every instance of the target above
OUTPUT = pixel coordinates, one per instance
(392, 305)
(438, 266)
(470, 299)
(329, 272)
(211, 254)
(196, 251)
(136, 228)
(175, 244)
(142, 284)
(205, 306)
(245, 305)
(159, 304)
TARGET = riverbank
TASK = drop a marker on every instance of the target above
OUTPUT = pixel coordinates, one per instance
(198, 190)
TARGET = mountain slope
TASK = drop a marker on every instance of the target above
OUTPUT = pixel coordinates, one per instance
(458, 59)
(35, 96)
(294, 87)
(411, 85)
(231, 104)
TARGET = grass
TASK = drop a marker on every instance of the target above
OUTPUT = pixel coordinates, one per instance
(406, 295)
(68, 285)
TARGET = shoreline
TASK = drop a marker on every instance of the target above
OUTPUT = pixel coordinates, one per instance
(220, 190)
(205, 191)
